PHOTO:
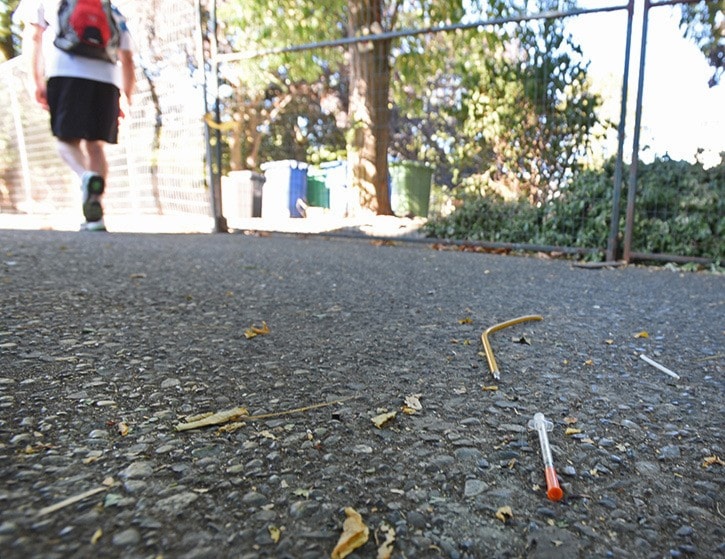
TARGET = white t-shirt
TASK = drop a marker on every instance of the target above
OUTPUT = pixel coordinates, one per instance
(60, 63)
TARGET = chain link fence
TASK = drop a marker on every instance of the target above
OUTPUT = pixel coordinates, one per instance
(289, 108)
(158, 166)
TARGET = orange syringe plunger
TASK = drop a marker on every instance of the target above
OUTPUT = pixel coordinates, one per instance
(542, 426)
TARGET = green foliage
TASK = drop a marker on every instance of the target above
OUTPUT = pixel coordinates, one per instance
(9, 40)
(680, 209)
(703, 23)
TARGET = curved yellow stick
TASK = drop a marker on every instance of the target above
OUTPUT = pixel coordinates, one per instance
(495, 328)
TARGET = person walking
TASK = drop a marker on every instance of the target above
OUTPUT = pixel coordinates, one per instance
(79, 75)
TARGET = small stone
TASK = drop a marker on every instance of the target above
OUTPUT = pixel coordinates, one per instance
(126, 538)
(669, 452)
(98, 434)
(569, 471)
(253, 498)
(141, 469)
(176, 504)
(474, 487)
(647, 468)
(8, 527)
(685, 531)
(170, 383)
(416, 519)
(362, 449)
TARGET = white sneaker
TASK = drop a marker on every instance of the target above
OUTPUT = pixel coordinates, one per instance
(97, 225)
(92, 187)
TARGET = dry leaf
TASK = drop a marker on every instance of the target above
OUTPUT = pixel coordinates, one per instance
(354, 534)
(504, 513)
(302, 493)
(383, 418)
(711, 461)
(385, 551)
(642, 334)
(96, 536)
(521, 340)
(254, 331)
(467, 320)
(491, 388)
(123, 429)
(274, 533)
(213, 419)
(609, 342)
(572, 431)
(589, 362)
(570, 420)
(230, 427)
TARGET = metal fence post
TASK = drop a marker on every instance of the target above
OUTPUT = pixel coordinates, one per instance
(621, 131)
(633, 168)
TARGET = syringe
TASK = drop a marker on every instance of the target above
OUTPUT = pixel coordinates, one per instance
(542, 425)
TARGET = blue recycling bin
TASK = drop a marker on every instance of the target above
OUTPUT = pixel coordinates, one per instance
(285, 184)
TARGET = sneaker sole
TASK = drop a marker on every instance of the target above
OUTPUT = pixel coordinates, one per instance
(92, 210)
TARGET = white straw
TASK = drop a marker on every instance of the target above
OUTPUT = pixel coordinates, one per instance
(658, 366)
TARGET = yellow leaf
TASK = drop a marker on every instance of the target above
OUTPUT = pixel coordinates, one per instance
(467, 320)
(609, 342)
(123, 429)
(711, 461)
(491, 388)
(354, 534)
(589, 362)
(96, 536)
(383, 418)
(274, 533)
(408, 410)
(504, 514)
(572, 431)
(254, 331)
(642, 334)
(385, 551)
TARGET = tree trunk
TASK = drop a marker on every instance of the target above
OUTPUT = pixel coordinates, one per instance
(369, 110)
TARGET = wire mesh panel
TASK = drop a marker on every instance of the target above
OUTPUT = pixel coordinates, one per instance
(158, 167)
(679, 207)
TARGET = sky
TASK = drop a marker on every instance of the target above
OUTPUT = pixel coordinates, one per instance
(680, 113)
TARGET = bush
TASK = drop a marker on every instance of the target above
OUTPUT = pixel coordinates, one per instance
(679, 210)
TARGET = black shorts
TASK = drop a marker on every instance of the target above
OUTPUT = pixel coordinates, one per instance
(83, 109)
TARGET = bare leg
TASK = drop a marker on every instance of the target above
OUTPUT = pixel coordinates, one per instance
(95, 151)
(71, 152)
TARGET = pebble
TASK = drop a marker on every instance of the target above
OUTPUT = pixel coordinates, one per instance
(176, 504)
(136, 470)
(474, 487)
(669, 452)
(126, 538)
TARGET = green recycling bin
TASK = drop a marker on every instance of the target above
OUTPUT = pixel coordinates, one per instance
(410, 184)
(318, 194)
